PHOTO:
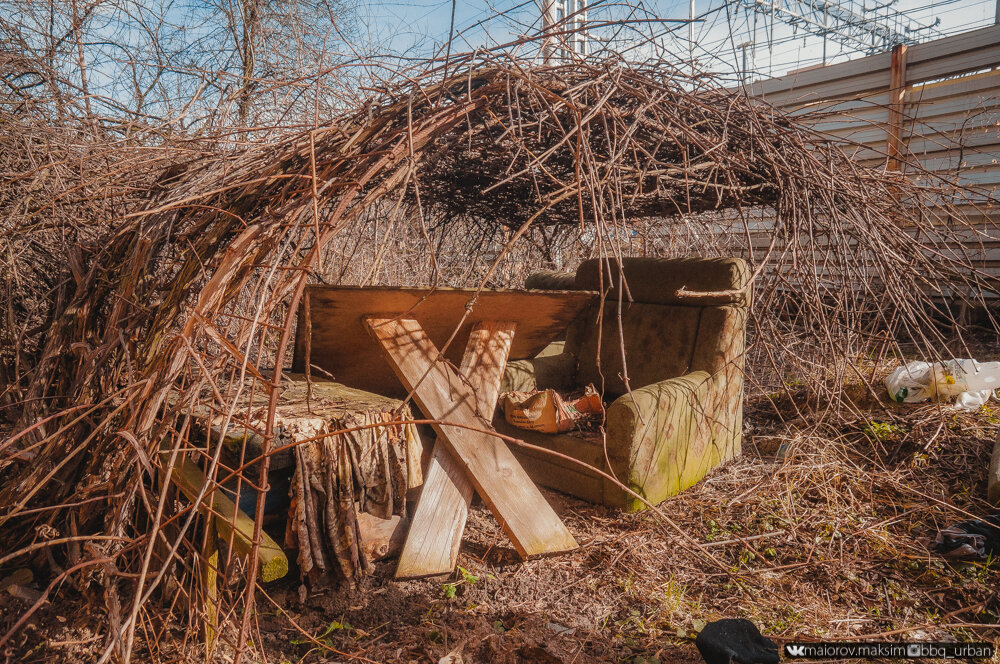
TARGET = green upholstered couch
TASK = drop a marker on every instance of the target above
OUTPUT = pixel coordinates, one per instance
(675, 385)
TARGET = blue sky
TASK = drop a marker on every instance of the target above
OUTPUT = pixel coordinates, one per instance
(423, 25)
(419, 28)
(196, 40)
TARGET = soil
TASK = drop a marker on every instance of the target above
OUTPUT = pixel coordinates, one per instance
(578, 608)
(814, 533)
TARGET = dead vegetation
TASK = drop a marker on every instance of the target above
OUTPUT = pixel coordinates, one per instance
(144, 280)
(818, 543)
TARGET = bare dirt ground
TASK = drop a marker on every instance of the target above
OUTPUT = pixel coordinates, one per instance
(812, 534)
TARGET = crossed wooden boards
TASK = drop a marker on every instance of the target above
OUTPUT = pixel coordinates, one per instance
(467, 457)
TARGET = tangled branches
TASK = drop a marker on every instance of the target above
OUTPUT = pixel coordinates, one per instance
(189, 299)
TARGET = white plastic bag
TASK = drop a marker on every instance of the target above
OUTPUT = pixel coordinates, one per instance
(957, 376)
(970, 382)
(971, 401)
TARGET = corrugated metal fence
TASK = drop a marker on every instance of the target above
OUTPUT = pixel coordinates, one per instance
(945, 115)
(931, 110)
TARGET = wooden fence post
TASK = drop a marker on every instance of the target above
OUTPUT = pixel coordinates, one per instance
(897, 102)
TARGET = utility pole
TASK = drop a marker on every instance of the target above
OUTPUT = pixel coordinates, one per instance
(826, 28)
(745, 70)
(570, 18)
(548, 21)
(691, 35)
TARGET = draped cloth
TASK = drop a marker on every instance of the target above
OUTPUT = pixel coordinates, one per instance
(365, 464)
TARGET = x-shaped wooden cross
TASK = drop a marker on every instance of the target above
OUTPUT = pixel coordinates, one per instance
(466, 457)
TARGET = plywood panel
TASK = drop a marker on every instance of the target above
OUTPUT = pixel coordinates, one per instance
(341, 346)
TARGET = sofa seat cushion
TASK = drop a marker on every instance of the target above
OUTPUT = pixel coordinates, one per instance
(554, 472)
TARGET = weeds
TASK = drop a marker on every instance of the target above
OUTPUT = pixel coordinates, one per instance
(450, 590)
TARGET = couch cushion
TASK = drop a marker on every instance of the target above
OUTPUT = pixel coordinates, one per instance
(721, 338)
(656, 280)
(659, 343)
(554, 470)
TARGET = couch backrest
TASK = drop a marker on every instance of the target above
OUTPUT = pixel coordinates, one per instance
(665, 334)
(659, 342)
(550, 280)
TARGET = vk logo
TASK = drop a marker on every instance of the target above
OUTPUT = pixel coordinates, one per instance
(795, 650)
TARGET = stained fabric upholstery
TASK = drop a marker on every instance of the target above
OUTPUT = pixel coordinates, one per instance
(667, 351)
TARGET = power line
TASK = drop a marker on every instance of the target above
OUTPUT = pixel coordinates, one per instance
(848, 22)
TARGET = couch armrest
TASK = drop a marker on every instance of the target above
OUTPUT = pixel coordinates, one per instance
(553, 371)
(661, 438)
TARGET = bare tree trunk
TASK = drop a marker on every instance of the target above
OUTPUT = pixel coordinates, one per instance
(81, 60)
(251, 20)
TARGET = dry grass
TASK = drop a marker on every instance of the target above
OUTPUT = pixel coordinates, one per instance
(820, 543)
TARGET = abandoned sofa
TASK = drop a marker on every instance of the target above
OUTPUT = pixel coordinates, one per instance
(676, 397)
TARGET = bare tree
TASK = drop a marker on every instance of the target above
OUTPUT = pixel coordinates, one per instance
(204, 65)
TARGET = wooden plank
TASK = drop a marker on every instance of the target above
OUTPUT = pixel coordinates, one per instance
(190, 479)
(523, 513)
(341, 345)
(432, 544)
(210, 582)
(381, 538)
(484, 361)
